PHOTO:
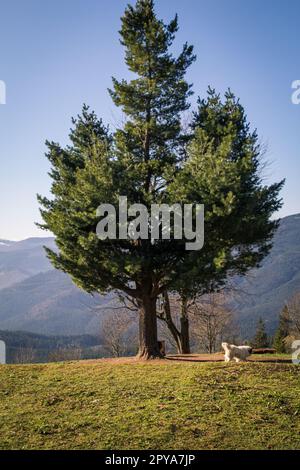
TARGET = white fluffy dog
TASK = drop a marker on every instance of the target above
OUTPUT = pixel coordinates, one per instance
(238, 353)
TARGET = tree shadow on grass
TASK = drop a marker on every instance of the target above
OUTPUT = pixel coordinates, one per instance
(220, 358)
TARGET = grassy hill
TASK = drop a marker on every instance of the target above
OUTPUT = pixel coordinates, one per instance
(157, 405)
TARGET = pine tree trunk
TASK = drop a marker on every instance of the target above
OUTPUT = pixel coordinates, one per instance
(181, 337)
(184, 336)
(148, 345)
(184, 328)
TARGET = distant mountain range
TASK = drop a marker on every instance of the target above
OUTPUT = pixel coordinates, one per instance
(34, 297)
(37, 298)
(21, 260)
(264, 291)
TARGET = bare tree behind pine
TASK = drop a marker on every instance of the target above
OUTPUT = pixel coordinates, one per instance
(25, 355)
(119, 332)
(293, 310)
(292, 318)
(211, 321)
(72, 353)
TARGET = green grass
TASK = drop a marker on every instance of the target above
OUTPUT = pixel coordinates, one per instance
(150, 406)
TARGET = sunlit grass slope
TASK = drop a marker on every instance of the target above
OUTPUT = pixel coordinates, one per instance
(167, 405)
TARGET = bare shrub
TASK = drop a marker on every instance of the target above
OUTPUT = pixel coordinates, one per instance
(65, 354)
(25, 356)
(211, 321)
(119, 332)
(293, 311)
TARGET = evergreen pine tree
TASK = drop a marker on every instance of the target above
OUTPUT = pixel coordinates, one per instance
(144, 156)
(224, 167)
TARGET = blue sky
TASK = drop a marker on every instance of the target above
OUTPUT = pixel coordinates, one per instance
(58, 54)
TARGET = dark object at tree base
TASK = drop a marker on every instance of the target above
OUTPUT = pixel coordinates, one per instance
(162, 348)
